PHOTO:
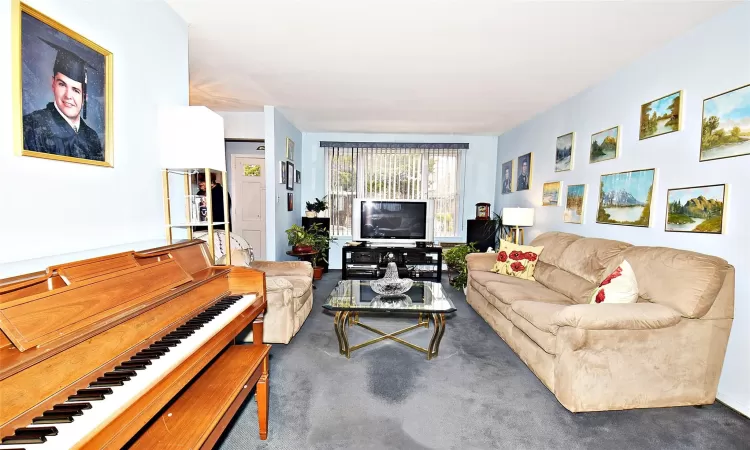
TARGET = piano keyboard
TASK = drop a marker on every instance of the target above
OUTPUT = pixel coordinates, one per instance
(69, 423)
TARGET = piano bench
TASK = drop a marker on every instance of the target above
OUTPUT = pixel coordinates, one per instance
(199, 415)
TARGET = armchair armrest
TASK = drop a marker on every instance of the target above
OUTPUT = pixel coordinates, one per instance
(481, 261)
(284, 268)
(629, 316)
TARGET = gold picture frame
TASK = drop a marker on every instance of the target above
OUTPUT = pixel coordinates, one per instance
(618, 128)
(570, 212)
(605, 218)
(682, 215)
(560, 164)
(641, 134)
(289, 149)
(72, 40)
(551, 193)
(702, 155)
(525, 158)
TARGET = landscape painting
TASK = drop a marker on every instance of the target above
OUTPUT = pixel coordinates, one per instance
(507, 177)
(726, 125)
(696, 209)
(564, 152)
(574, 203)
(661, 116)
(625, 198)
(551, 193)
(605, 145)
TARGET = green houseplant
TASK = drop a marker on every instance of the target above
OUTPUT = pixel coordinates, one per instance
(300, 239)
(455, 259)
(316, 207)
(321, 243)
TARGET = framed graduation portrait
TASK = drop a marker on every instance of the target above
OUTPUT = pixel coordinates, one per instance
(62, 92)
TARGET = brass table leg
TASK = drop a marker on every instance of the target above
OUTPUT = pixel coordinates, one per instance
(345, 318)
(437, 335)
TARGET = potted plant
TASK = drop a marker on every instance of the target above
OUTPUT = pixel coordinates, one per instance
(455, 259)
(300, 239)
(321, 243)
(316, 207)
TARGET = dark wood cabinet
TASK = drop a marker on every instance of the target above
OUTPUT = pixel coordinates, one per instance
(482, 233)
(369, 263)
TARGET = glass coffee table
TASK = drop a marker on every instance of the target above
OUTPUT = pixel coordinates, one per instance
(426, 300)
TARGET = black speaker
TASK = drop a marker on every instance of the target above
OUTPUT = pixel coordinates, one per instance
(482, 233)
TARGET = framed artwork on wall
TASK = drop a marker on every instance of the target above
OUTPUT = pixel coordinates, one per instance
(282, 172)
(625, 198)
(297, 177)
(726, 125)
(564, 152)
(290, 175)
(575, 202)
(290, 201)
(551, 193)
(696, 209)
(62, 92)
(605, 145)
(524, 168)
(289, 149)
(661, 116)
(507, 177)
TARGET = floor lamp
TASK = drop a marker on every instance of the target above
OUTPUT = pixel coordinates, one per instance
(518, 217)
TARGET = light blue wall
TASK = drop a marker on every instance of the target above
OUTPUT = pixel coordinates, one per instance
(713, 58)
(278, 128)
(478, 182)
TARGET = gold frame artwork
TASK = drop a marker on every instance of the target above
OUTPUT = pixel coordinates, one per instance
(559, 192)
(289, 149)
(572, 135)
(583, 203)
(518, 171)
(679, 116)
(723, 210)
(17, 11)
(703, 116)
(617, 145)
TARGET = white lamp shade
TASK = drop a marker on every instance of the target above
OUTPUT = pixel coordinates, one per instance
(521, 217)
(191, 137)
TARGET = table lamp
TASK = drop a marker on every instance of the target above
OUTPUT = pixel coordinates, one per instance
(518, 217)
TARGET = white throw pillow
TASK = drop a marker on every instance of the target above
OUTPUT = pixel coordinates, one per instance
(619, 287)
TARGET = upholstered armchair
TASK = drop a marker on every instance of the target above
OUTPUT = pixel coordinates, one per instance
(288, 288)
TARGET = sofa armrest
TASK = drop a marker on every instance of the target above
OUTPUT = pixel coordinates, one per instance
(481, 261)
(278, 284)
(628, 316)
(284, 268)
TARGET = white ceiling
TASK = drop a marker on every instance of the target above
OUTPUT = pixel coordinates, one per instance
(421, 66)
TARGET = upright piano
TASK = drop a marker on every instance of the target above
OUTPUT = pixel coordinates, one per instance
(130, 350)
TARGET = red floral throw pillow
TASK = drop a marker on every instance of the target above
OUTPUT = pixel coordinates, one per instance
(517, 260)
(618, 287)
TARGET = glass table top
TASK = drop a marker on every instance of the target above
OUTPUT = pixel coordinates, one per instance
(357, 295)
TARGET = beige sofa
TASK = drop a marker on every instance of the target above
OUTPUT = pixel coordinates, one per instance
(665, 350)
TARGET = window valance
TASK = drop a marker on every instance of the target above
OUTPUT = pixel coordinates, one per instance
(420, 145)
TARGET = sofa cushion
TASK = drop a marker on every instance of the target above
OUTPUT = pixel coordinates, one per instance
(509, 293)
(589, 258)
(485, 277)
(686, 281)
(535, 319)
(554, 243)
(572, 286)
(491, 299)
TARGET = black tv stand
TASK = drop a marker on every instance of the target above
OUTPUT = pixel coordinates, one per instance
(369, 262)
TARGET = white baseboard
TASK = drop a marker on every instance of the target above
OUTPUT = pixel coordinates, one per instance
(735, 405)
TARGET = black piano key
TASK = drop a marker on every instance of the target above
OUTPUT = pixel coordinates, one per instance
(24, 439)
(106, 383)
(157, 351)
(62, 412)
(102, 391)
(165, 344)
(42, 431)
(197, 321)
(134, 364)
(233, 297)
(153, 354)
(114, 377)
(181, 334)
(86, 397)
(46, 420)
(67, 406)
(131, 367)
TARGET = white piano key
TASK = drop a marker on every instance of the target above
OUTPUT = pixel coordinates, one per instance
(70, 435)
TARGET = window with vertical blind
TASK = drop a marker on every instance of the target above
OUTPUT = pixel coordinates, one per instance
(393, 171)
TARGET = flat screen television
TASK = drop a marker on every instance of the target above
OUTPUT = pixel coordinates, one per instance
(392, 221)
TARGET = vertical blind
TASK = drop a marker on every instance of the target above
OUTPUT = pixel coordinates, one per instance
(383, 172)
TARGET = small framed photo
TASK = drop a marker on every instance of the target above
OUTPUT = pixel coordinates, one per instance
(564, 152)
(696, 209)
(726, 125)
(282, 172)
(523, 166)
(290, 175)
(660, 116)
(575, 201)
(551, 193)
(290, 201)
(289, 149)
(605, 145)
(507, 177)
(297, 177)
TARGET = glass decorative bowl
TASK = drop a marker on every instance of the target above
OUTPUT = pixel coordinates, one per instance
(391, 284)
(385, 301)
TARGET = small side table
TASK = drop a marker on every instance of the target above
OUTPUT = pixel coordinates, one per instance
(305, 256)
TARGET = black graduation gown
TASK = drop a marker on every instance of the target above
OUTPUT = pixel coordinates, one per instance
(217, 203)
(46, 131)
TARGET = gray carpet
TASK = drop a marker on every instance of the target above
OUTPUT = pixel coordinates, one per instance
(476, 394)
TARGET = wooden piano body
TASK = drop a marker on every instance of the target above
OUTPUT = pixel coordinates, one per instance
(63, 328)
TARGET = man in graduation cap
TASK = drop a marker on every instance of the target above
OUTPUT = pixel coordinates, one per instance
(59, 128)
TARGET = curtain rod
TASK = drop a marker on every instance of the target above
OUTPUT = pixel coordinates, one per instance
(424, 145)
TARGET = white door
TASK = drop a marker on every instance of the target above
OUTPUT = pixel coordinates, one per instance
(249, 201)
